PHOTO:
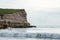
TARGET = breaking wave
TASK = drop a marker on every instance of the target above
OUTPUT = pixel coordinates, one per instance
(24, 33)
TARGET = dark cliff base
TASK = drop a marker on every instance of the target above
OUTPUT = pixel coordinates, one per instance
(23, 26)
(17, 27)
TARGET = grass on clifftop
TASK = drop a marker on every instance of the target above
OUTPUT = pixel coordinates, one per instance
(7, 11)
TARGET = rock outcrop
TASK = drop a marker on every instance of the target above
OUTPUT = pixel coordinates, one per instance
(17, 18)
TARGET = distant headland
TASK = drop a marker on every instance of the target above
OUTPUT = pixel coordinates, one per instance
(14, 18)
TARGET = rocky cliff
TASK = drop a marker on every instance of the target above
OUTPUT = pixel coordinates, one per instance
(13, 18)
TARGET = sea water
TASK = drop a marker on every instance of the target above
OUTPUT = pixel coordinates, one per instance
(29, 34)
(25, 39)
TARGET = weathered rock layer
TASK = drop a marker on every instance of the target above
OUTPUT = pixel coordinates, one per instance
(14, 19)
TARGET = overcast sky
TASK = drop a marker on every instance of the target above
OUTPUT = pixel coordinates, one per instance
(42, 13)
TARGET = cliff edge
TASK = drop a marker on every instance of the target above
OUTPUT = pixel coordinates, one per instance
(13, 18)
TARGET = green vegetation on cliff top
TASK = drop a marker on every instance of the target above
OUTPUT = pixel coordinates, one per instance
(7, 11)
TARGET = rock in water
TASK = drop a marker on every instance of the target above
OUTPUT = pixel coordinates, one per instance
(13, 18)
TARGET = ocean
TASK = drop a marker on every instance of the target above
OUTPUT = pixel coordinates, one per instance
(25, 39)
(30, 34)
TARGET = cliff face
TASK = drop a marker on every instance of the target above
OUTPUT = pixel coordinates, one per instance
(14, 19)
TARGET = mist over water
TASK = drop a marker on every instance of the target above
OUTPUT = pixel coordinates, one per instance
(28, 34)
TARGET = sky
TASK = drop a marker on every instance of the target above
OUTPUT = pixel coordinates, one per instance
(40, 13)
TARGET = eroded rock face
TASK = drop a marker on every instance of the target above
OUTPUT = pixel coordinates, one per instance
(18, 18)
